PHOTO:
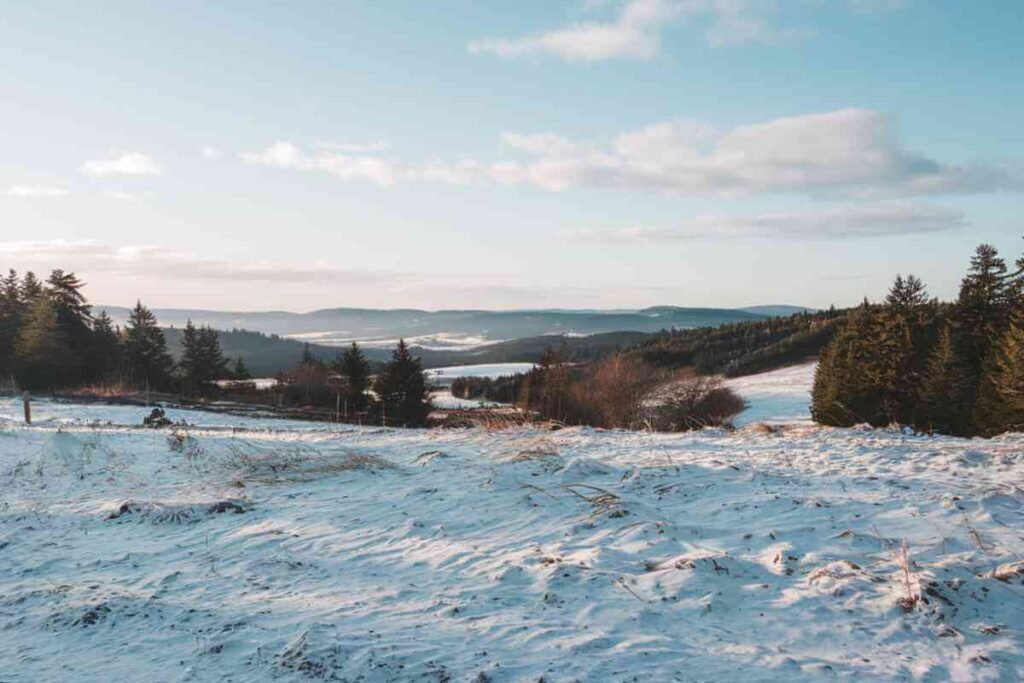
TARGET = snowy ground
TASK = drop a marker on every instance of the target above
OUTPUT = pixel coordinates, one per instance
(250, 550)
(444, 376)
(778, 397)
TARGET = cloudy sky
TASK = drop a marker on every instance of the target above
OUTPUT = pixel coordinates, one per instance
(557, 153)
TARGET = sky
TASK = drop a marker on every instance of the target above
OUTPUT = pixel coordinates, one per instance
(499, 155)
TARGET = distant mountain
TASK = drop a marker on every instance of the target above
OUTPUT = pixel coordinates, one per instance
(446, 329)
(778, 310)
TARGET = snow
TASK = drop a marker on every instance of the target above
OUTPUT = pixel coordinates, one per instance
(444, 399)
(446, 375)
(779, 396)
(441, 341)
(244, 549)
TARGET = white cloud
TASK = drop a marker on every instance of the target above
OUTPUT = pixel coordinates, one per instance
(128, 163)
(344, 166)
(837, 222)
(850, 153)
(636, 32)
(210, 153)
(376, 169)
(35, 191)
(539, 143)
(120, 196)
(155, 262)
(354, 147)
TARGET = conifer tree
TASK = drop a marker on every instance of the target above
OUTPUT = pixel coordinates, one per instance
(74, 316)
(41, 347)
(980, 316)
(849, 385)
(403, 390)
(940, 389)
(1000, 405)
(906, 337)
(30, 289)
(145, 348)
(355, 369)
(239, 371)
(106, 347)
(10, 320)
(202, 361)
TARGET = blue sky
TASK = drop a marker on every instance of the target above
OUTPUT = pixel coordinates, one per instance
(574, 153)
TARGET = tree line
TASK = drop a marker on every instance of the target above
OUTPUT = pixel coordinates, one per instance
(954, 368)
(50, 339)
(742, 348)
(398, 395)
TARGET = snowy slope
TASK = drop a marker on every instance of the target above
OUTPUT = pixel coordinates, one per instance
(780, 396)
(251, 550)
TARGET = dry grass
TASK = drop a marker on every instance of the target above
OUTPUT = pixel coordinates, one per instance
(911, 585)
(601, 500)
(257, 465)
(105, 391)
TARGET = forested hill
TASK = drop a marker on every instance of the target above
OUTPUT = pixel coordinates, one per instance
(742, 348)
(735, 348)
(452, 328)
(266, 355)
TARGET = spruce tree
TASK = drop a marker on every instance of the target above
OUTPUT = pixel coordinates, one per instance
(940, 389)
(75, 318)
(1000, 405)
(403, 390)
(355, 369)
(145, 348)
(10, 320)
(980, 317)
(30, 289)
(202, 361)
(239, 371)
(41, 348)
(106, 347)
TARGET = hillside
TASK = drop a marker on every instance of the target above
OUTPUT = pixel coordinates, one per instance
(446, 329)
(742, 348)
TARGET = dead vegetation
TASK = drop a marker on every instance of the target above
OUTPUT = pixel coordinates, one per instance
(911, 585)
(268, 466)
(156, 512)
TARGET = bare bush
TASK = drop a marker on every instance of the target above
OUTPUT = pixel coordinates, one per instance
(694, 402)
(613, 392)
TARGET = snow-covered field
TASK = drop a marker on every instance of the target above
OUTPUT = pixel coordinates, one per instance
(444, 376)
(249, 550)
(778, 397)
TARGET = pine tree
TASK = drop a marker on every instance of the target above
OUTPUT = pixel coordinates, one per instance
(239, 371)
(906, 338)
(30, 289)
(10, 320)
(75, 318)
(403, 390)
(1000, 405)
(940, 389)
(41, 347)
(106, 347)
(980, 317)
(355, 370)
(148, 363)
(202, 361)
